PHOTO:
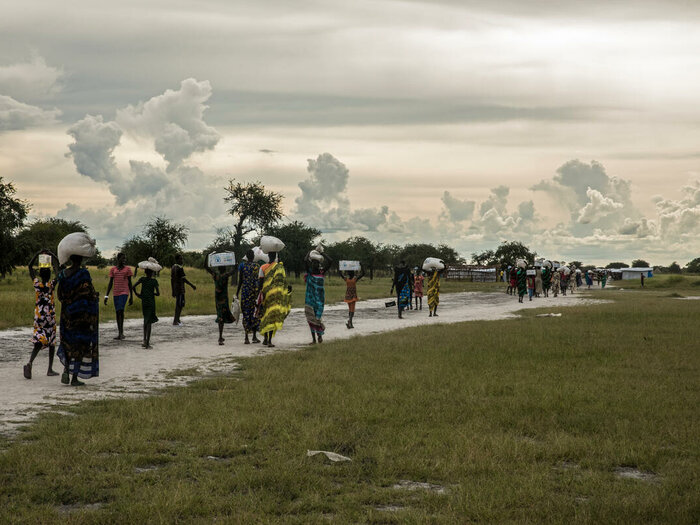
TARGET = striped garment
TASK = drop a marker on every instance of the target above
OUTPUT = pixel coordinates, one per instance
(79, 347)
(434, 290)
(276, 300)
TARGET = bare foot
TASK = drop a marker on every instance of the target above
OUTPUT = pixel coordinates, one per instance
(51, 373)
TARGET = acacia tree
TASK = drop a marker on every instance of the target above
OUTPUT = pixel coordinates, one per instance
(253, 208)
(13, 212)
(693, 266)
(43, 234)
(298, 239)
(161, 238)
(640, 263)
(509, 252)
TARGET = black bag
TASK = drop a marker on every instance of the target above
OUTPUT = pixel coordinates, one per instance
(390, 304)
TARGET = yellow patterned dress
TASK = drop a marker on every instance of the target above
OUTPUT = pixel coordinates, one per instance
(44, 314)
(276, 299)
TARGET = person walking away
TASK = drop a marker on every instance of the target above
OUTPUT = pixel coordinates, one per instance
(223, 311)
(351, 293)
(177, 283)
(521, 278)
(120, 278)
(546, 278)
(434, 292)
(538, 282)
(248, 283)
(513, 280)
(276, 298)
(402, 283)
(418, 281)
(642, 277)
(148, 294)
(531, 286)
(315, 298)
(44, 334)
(589, 279)
(556, 282)
(604, 280)
(79, 346)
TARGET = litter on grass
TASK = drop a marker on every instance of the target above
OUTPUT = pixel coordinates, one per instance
(330, 455)
(406, 484)
(549, 315)
(633, 473)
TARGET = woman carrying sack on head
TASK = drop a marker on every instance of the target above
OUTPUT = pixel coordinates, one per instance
(275, 297)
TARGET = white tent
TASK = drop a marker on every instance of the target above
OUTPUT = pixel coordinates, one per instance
(629, 274)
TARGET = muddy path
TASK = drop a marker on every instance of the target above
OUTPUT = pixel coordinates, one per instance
(180, 354)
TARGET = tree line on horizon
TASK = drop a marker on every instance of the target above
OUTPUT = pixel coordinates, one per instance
(255, 211)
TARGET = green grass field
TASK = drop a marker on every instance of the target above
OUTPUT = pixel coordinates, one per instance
(517, 421)
(17, 294)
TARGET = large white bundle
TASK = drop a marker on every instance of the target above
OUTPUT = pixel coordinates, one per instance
(521, 263)
(433, 263)
(565, 270)
(268, 244)
(314, 255)
(150, 264)
(259, 256)
(78, 243)
(547, 264)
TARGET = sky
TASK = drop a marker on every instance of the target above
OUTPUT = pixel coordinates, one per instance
(569, 126)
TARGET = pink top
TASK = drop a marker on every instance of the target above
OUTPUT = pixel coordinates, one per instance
(121, 280)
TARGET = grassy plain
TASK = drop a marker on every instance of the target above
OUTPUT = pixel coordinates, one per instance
(17, 294)
(534, 420)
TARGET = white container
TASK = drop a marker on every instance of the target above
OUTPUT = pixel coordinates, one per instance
(531, 272)
(268, 244)
(150, 264)
(347, 266)
(44, 260)
(222, 259)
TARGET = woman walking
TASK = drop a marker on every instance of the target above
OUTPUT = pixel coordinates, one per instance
(79, 347)
(275, 298)
(44, 313)
(248, 283)
(149, 292)
(434, 292)
(315, 299)
(351, 293)
(402, 284)
(223, 311)
(418, 280)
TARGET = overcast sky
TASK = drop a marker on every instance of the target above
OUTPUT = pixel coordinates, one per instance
(571, 126)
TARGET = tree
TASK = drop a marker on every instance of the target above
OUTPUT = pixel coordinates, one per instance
(298, 240)
(576, 264)
(640, 263)
(674, 267)
(161, 238)
(508, 252)
(617, 265)
(693, 266)
(43, 234)
(253, 209)
(485, 258)
(13, 212)
(372, 256)
(415, 254)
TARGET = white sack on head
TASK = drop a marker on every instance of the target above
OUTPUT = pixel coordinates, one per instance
(319, 248)
(433, 263)
(260, 256)
(77, 243)
(150, 264)
(547, 264)
(520, 263)
(268, 244)
(314, 255)
(566, 270)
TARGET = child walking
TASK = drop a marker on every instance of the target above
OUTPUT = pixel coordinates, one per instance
(149, 292)
(223, 311)
(531, 286)
(351, 293)
(44, 313)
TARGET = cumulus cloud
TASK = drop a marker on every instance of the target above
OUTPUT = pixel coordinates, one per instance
(179, 191)
(15, 115)
(597, 207)
(457, 210)
(175, 120)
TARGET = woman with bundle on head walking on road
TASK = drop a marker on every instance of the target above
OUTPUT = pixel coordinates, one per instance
(249, 284)
(44, 334)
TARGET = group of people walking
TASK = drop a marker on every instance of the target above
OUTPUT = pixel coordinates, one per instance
(545, 278)
(263, 302)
